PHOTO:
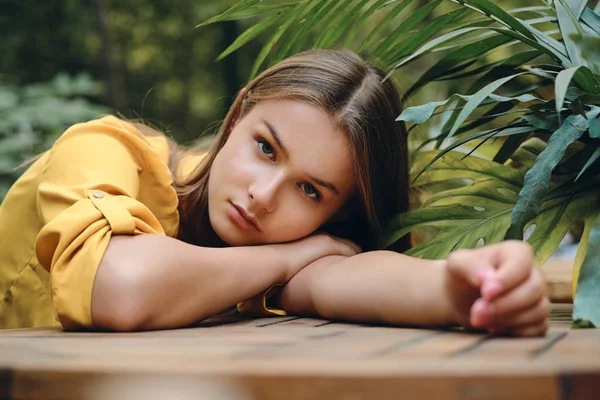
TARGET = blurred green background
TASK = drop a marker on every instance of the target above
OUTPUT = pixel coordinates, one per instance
(69, 61)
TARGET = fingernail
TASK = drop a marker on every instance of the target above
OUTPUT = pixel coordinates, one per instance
(479, 313)
(491, 288)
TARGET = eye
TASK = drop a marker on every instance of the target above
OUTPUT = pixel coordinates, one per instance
(265, 147)
(311, 191)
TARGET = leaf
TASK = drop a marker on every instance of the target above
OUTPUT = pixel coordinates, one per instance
(397, 9)
(537, 179)
(445, 66)
(327, 22)
(296, 36)
(528, 9)
(293, 14)
(434, 43)
(464, 216)
(311, 19)
(250, 34)
(577, 6)
(358, 23)
(569, 25)
(595, 128)
(587, 296)
(533, 43)
(504, 131)
(454, 165)
(420, 114)
(589, 162)
(542, 121)
(499, 14)
(343, 22)
(550, 43)
(237, 8)
(404, 28)
(563, 79)
(461, 216)
(510, 145)
(591, 19)
(412, 42)
(558, 214)
(476, 99)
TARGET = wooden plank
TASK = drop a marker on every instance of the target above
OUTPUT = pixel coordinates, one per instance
(300, 358)
(559, 278)
(62, 385)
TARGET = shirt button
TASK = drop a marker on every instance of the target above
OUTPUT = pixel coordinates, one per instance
(98, 195)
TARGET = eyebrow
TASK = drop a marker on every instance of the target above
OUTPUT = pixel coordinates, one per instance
(276, 137)
(285, 151)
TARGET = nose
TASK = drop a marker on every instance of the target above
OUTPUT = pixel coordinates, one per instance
(262, 193)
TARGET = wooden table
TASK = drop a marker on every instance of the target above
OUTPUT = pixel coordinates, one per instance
(300, 358)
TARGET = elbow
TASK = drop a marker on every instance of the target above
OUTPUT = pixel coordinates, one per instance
(118, 298)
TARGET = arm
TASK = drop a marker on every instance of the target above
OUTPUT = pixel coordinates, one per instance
(378, 286)
(157, 282)
(496, 287)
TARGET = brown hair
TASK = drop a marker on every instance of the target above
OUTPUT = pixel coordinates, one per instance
(362, 105)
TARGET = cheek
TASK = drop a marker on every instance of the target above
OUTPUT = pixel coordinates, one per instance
(235, 162)
(295, 218)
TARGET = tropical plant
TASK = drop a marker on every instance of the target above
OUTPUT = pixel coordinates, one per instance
(32, 117)
(520, 147)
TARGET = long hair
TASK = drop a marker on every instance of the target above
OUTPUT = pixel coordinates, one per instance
(362, 105)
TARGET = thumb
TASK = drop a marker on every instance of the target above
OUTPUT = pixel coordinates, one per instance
(472, 266)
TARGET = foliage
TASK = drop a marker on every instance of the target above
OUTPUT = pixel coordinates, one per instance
(149, 57)
(537, 108)
(32, 116)
(586, 313)
(561, 186)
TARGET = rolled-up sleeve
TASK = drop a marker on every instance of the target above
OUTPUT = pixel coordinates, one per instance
(87, 193)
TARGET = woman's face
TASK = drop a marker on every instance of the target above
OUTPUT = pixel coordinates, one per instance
(285, 170)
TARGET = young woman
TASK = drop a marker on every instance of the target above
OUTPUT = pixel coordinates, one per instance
(116, 229)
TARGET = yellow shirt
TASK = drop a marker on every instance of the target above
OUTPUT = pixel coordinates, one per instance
(101, 178)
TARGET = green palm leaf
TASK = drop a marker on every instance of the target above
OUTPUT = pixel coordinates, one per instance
(480, 213)
(537, 180)
(250, 34)
(586, 312)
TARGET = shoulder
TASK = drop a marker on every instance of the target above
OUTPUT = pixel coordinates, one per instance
(104, 134)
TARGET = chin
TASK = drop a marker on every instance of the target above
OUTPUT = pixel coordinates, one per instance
(229, 234)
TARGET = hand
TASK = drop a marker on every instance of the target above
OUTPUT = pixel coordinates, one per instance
(498, 288)
(305, 251)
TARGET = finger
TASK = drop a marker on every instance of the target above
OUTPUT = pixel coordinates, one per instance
(534, 315)
(474, 266)
(514, 263)
(531, 292)
(527, 331)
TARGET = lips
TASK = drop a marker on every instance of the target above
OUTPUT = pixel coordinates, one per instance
(241, 218)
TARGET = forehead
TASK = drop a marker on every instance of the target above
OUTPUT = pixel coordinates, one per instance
(315, 144)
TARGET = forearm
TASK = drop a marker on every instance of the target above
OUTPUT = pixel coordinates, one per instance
(156, 282)
(380, 286)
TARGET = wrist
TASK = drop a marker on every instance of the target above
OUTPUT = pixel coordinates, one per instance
(282, 257)
(449, 312)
